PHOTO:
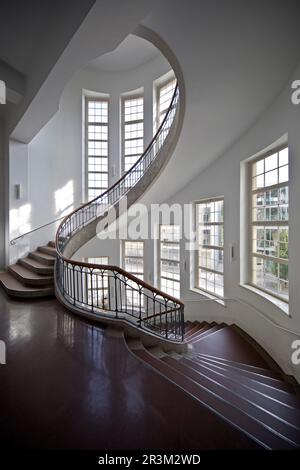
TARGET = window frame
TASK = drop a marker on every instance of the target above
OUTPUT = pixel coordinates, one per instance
(165, 259)
(88, 284)
(135, 257)
(124, 98)
(131, 294)
(197, 251)
(252, 224)
(86, 147)
(159, 86)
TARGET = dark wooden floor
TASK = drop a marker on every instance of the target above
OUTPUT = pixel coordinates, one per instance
(69, 385)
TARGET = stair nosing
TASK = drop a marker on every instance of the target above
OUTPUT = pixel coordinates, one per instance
(251, 418)
(280, 390)
(209, 407)
(283, 420)
(264, 425)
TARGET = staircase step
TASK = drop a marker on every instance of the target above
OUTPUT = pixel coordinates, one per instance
(273, 387)
(200, 330)
(276, 407)
(243, 421)
(264, 379)
(49, 250)
(197, 337)
(188, 326)
(243, 402)
(196, 327)
(52, 244)
(156, 351)
(42, 258)
(240, 366)
(35, 266)
(228, 344)
(15, 288)
(29, 278)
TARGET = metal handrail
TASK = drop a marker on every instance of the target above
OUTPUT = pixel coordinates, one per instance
(14, 240)
(95, 288)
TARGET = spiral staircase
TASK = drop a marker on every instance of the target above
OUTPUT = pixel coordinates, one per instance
(240, 391)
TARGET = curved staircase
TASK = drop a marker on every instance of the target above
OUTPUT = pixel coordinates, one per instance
(32, 276)
(243, 399)
(110, 293)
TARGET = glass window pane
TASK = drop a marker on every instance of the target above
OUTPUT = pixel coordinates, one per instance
(283, 174)
(170, 259)
(259, 168)
(271, 178)
(271, 162)
(210, 234)
(270, 206)
(284, 157)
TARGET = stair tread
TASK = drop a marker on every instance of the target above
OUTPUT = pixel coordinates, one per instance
(29, 275)
(196, 327)
(265, 381)
(198, 331)
(275, 406)
(43, 255)
(203, 334)
(44, 258)
(228, 344)
(218, 405)
(261, 413)
(35, 264)
(12, 285)
(239, 364)
(50, 250)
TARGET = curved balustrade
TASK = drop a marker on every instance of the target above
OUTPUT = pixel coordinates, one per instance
(109, 290)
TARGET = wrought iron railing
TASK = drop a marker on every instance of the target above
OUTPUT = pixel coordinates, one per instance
(101, 289)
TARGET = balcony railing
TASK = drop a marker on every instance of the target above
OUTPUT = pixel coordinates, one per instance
(109, 290)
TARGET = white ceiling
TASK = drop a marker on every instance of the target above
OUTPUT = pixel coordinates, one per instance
(130, 54)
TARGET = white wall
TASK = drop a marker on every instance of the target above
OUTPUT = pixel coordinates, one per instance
(20, 210)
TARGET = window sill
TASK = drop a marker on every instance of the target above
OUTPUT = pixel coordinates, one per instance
(208, 297)
(283, 306)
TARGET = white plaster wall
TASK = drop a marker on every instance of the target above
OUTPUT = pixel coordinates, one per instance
(20, 210)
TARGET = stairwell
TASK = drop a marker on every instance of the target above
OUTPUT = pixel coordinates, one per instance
(239, 394)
